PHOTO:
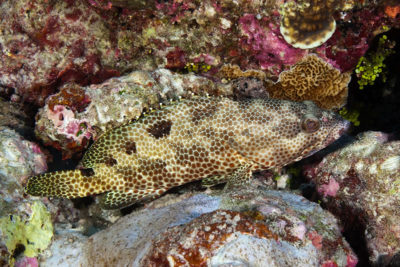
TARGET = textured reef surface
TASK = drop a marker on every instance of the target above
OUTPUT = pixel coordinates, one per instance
(364, 190)
(245, 226)
(48, 43)
(75, 74)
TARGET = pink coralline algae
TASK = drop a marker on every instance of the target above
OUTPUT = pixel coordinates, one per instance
(329, 189)
(27, 262)
(65, 122)
(175, 9)
(263, 40)
(360, 184)
(315, 238)
(101, 4)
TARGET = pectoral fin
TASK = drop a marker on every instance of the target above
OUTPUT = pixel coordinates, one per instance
(240, 176)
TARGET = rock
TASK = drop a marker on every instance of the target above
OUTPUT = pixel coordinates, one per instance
(19, 159)
(26, 224)
(14, 116)
(68, 243)
(245, 226)
(360, 184)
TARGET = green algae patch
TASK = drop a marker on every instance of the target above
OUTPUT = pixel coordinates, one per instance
(33, 235)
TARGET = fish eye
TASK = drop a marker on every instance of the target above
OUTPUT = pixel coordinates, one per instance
(310, 124)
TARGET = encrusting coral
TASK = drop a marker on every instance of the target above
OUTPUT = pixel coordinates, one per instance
(308, 23)
(33, 234)
(313, 79)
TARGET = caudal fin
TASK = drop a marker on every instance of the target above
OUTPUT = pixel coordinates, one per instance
(66, 184)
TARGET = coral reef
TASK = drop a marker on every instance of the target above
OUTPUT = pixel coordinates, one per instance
(239, 226)
(313, 79)
(56, 44)
(59, 56)
(360, 184)
(249, 88)
(134, 4)
(86, 43)
(232, 72)
(353, 37)
(261, 38)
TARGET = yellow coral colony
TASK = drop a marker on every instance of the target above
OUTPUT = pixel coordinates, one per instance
(33, 234)
(313, 79)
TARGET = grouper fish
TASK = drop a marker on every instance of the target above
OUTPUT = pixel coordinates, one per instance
(215, 139)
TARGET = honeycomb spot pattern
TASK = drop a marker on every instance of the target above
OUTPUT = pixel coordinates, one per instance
(187, 141)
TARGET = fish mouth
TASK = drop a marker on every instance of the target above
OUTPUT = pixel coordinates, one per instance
(337, 132)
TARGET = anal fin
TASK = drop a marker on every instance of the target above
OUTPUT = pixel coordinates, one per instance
(213, 180)
(120, 199)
